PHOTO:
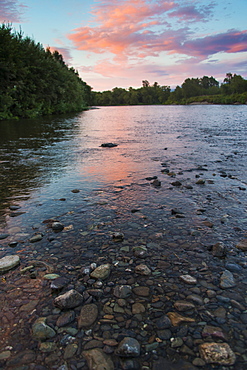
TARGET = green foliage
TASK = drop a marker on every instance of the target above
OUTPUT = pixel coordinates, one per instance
(35, 81)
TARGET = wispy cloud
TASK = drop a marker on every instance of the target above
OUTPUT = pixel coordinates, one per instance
(11, 11)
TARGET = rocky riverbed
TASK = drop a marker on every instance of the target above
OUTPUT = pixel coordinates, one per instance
(146, 275)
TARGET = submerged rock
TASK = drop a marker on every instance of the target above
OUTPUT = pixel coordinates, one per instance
(128, 347)
(69, 299)
(108, 145)
(101, 272)
(42, 331)
(98, 360)
(217, 353)
(227, 280)
(88, 315)
(9, 262)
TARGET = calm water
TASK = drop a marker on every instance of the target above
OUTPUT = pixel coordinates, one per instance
(42, 160)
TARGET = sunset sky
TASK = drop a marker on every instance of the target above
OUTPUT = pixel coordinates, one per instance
(122, 42)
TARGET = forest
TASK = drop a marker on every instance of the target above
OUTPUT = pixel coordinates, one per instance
(35, 81)
(233, 90)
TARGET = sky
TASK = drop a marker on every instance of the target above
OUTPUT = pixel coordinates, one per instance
(120, 43)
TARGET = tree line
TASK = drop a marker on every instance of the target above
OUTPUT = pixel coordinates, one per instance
(35, 81)
(205, 89)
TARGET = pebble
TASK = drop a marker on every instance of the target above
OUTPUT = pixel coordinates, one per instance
(9, 262)
(101, 272)
(88, 315)
(128, 347)
(188, 279)
(42, 331)
(68, 300)
(227, 280)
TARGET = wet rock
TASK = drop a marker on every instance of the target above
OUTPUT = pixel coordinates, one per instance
(219, 250)
(47, 347)
(70, 350)
(122, 291)
(9, 262)
(66, 318)
(177, 319)
(217, 353)
(200, 182)
(142, 270)
(233, 267)
(57, 226)
(75, 191)
(227, 280)
(117, 236)
(98, 360)
(176, 183)
(108, 145)
(214, 332)
(59, 283)
(51, 276)
(242, 245)
(128, 347)
(196, 299)
(101, 272)
(69, 299)
(184, 306)
(176, 342)
(156, 183)
(163, 322)
(3, 236)
(188, 279)
(36, 238)
(42, 331)
(138, 308)
(140, 251)
(142, 291)
(88, 315)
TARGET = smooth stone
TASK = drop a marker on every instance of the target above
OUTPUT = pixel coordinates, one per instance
(163, 322)
(242, 245)
(142, 270)
(227, 280)
(122, 291)
(66, 318)
(128, 347)
(98, 360)
(217, 353)
(213, 331)
(57, 226)
(9, 262)
(101, 272)
(42, 331)
(59, 283)
(176, 342)
(200, 182)
(164, 334)
(47, 347)
(36, 238)
(69, 299)
(3, 236)
(5, 355)
(142, 291)
(138, 308)
(70, 350)
(51, 276)
(88, 315)
(188, 279)
(177, 319)
(233, 267)
(184, 306)
(219, 250)
(196, 299)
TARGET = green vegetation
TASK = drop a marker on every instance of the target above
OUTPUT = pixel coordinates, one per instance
(35, 81)
(193, 90)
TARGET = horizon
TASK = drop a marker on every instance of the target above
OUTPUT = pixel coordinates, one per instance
(120, 43)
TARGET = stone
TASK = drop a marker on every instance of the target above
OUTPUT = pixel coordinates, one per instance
(47, 347)
(176, 342)
(5, 355)
(101, 272)
(142, 291)
(3, 236)
(98, 360)
(66, 318)
(9, 262)
(163, 322)
(70, 350)
(188, 279)
(88, 315)
(51, 276)
(108, 145)
(219, 250)
(217, 353)
(242, 245)
(59, 283)
(122, 291)
(156, 183)
(57, 226)
(176, 183)
(42, 331)
(128, 347)
(70, 299)
(177, 319)
(36, 238)
(142, 270)
(213, 331)
(227, 280)
(140, 251)
(118, 237)
(138, 308)
(200, 182)
(184, 306)
(196, 299)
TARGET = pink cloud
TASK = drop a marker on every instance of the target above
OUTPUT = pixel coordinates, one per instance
(63, 51)
(191, 13)
(11, 11)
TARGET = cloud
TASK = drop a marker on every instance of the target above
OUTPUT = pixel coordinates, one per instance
(191, 13)
(65, 52)
(11, 11)
(232, 41)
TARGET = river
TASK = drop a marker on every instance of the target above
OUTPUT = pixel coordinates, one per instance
(176, 181)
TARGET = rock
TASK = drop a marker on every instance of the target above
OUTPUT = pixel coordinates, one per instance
(88, 315)
(156, 183)
(128, 347)
(176, 183)
(108, 145)
(219, 250)
(142, 291)
(142, 270)
(217, 353)
(9, 262)
(138, 308)
(69, 299)
(233, 267)
(163, 322)
(47, 347)
(188, 279)
(140, 251)
(242, 245)
(176, 342)
(75, 191)
(184, 306)
(200, 182)
(66, 318)
(57, 226)
(50, 276)
(118, 237)
(5, 355)
(3, 236)
(41, 331)
(59, 283)
(101, 272)
(196, 299)
(213, 331)
(177, 319)
(36, 238)
(122, 291)
(227, 280)
(70, 350)
(98, 360)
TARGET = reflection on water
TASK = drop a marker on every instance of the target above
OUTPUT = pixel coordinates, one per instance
(44, 159)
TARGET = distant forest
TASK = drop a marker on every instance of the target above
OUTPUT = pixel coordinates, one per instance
(193, 90)
(35, 81)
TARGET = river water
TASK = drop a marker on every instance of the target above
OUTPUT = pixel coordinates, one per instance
(54, 168)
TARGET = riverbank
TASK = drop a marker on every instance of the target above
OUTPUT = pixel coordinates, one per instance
(150, 275)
